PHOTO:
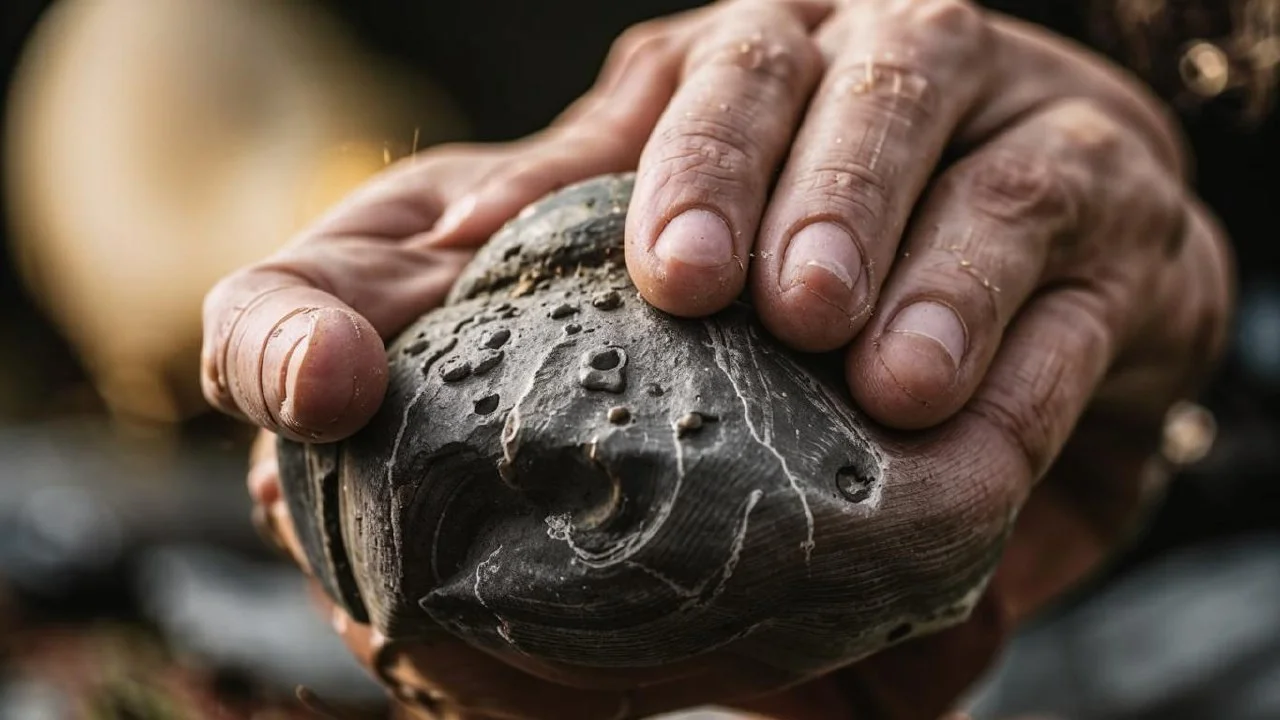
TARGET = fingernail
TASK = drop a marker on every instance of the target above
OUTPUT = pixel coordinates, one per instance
(823, 259)
(695, 237)
(319, 377)
(935, 323)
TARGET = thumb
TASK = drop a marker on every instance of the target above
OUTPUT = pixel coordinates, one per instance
(295, 343)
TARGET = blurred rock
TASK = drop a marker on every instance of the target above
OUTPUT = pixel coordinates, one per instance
(250, 618)
(1195, 635)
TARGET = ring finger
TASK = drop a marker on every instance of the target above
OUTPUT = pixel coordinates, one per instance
(1032, 207)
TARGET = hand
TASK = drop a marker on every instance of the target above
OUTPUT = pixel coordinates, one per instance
(993, 221)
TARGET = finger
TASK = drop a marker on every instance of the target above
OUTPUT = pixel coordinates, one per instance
(1068, 181)
(1054, 357)
(705, 171)
(1111, 471)
(264, 471)
(901, 76)
(295, 343)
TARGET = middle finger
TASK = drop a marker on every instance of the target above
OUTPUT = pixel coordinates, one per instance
(902, 74)
(706, 169)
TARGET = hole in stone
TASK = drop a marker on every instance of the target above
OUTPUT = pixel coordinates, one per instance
(486, 404)
(606, 359)
(899, 632)
(854, 483)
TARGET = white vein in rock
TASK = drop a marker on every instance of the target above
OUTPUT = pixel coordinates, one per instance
(718, 345)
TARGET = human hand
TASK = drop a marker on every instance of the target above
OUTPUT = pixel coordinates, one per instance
(1074, 288)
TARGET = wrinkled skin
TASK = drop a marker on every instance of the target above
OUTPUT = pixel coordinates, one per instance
(1031, 305)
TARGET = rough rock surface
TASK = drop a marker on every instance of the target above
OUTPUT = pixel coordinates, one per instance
(564, 473)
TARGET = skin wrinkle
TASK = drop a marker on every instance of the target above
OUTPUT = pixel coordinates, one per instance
(224, 343)
(897, 383)
(868, 192)
(996, 317)
(728, 138)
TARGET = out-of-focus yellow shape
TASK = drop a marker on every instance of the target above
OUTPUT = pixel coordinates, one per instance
(1189, 433)
(155, 146)
(1205, 69)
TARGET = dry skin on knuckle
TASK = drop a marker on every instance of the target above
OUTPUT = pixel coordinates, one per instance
(949, 279)
(888, 90)
(704, 153)
(774, 54)
(848, 188)
(952, 36)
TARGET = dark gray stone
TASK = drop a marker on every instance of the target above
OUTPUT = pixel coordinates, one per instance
(644, 490)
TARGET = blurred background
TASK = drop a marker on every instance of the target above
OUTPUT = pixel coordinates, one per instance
(152, 146)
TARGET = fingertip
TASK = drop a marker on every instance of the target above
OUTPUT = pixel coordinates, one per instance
(904, 379)
(692, 268)
(334, 377)
(812, 290)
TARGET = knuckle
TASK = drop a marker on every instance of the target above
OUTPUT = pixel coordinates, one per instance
(705, 148)
(958, 28)
(1092, 131)
(1019, 187)
(953, 18)
(642, 42)
(780, 56)
(1133, 192)
(898, 93)
(854, 188)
